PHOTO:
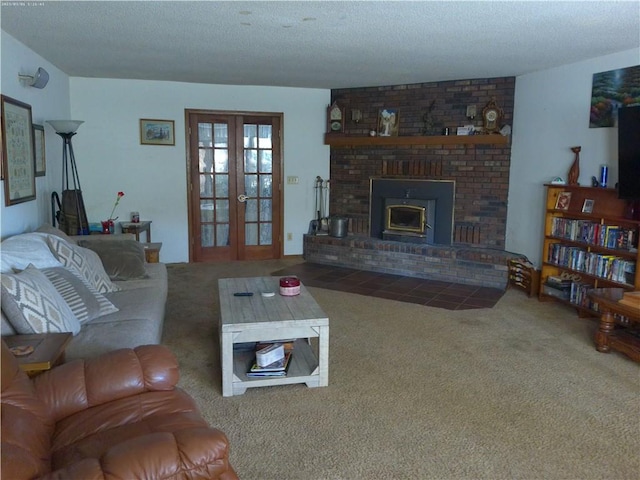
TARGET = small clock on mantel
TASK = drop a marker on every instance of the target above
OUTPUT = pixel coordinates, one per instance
(335, 119)
(491, 117)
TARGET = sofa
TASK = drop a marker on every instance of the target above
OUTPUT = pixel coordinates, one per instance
(114, 298)
(116, 416)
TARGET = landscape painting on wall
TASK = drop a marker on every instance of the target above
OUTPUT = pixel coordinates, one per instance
(613, 90)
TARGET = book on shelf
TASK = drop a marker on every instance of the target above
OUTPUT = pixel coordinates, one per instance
(276, 369)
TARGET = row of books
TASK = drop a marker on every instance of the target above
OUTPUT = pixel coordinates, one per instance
(593, 233)
(574, 292)
(609, 267)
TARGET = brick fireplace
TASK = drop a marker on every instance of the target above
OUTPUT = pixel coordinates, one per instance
(473, 250)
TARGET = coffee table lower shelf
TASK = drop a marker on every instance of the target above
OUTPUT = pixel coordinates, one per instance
(304, 368)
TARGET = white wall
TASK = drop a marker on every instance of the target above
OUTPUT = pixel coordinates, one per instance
(49, 103)
(110, 157)
(551, 116)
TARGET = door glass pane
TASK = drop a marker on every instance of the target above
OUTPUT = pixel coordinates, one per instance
(222, 211)
(251, 160)
(206, 160)
(251, 185)
(222, 235)
(250, 136)
(251, 211)
(266, 161)
(265, 186)
(221, 135)
(206, 185)
(265, 234)
(265, 210)
(206, 235)
(222, 186)
(206, 211)
(204, 135)
(222, 160)
(265, 136)
(251, 234)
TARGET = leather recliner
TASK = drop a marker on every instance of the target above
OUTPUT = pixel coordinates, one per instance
(116, 416)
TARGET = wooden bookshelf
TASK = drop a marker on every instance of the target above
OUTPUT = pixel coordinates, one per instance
(574, 241)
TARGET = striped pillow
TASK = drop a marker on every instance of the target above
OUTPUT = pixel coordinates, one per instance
(85, 302)
(84, 261)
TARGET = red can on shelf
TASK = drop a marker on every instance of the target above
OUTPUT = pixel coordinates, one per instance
(289, 286)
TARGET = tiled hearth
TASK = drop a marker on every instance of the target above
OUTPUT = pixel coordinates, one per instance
(452, 263)
(431, 293)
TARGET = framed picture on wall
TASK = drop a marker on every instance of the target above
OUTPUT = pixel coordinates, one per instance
(18, 161)
(157, 132)
(388, 122)
(39, 151)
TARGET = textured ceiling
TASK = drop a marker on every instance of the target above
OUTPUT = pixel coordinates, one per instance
(319, 44)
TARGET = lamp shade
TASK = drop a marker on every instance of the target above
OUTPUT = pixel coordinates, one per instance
(65, 126)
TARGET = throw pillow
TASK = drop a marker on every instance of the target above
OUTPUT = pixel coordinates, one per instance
(33, 305)
(27, 248)
(121, 259)
(85, 302)
(86, 262)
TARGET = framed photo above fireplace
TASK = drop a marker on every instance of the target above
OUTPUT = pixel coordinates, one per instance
(388, 122)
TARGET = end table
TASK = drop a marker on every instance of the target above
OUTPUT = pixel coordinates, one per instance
(48, 350)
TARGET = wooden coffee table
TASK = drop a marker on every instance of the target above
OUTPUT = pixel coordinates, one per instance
(246, 320)
(48, 350)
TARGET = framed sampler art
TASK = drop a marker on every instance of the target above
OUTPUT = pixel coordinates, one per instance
(157, 132)
(39, 150)
(18, 161)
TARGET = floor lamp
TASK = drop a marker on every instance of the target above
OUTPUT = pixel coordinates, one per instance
(72, 216)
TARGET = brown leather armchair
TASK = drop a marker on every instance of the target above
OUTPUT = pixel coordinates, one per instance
(116, 416)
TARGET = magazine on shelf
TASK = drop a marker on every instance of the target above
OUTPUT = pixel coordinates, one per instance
(276, 369)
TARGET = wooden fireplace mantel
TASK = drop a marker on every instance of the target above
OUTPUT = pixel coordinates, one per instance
(340, 140)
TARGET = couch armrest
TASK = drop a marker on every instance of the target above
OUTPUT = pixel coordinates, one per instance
(189, 453)
(82, 384)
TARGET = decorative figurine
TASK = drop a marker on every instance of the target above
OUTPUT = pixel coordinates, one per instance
(574, 171)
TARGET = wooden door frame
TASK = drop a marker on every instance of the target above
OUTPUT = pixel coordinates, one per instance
(280, 188)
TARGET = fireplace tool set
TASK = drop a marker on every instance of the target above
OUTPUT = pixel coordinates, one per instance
(320, 225)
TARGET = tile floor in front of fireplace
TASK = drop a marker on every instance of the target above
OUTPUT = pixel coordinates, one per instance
(432, 293)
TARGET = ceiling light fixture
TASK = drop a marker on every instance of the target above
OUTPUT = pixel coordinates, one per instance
(37, 80)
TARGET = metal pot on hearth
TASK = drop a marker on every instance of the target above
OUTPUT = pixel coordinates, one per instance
(338, 226)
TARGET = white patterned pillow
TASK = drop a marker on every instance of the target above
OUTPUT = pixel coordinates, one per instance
(85, 302)
(33, 305)
(86, 262)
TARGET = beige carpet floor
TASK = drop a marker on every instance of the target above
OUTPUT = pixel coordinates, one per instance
(516, 391)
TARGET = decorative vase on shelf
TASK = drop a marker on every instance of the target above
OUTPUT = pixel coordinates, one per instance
(107, 227)
(574, 171)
